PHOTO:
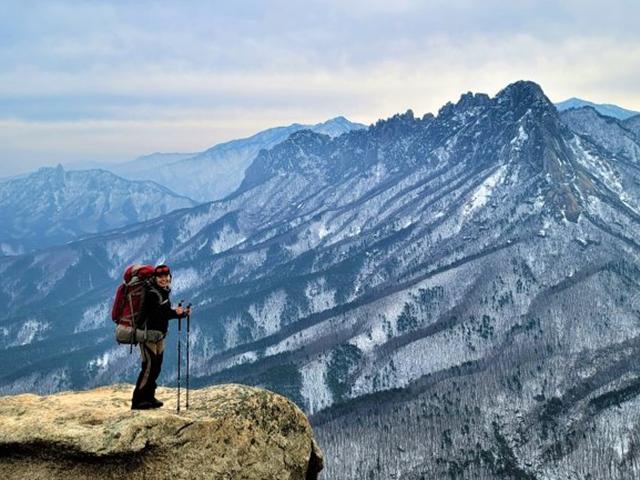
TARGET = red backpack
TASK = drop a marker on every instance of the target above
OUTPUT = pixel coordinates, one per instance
(130, 295)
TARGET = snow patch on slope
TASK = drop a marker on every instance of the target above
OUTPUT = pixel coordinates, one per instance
(314, 388)
(107, 367)
(122, 250)
(195, 222)
(267, 315)
(227, 238)
(184, 279)
(94, 317)
(31, 330)
(320, 298)
(481, 194)
(519, 140)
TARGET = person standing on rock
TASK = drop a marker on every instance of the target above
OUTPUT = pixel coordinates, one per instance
(156, 312)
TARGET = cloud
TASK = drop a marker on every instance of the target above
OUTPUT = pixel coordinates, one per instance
(217, 70)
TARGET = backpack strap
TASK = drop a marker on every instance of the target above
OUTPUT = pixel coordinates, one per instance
(133, 325)
(158, 294)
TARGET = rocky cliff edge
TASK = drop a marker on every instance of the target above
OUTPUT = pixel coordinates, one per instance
(228, 432)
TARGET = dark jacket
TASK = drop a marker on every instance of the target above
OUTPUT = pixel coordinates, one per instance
(156, 308)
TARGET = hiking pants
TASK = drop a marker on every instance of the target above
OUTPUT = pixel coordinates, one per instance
(151, 354)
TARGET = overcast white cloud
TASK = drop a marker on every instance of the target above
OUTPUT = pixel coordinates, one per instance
(99, 80)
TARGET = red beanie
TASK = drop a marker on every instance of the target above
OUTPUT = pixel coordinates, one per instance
(162, 270)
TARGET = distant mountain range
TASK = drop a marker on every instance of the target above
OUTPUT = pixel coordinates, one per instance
(218, 171)
(144, 162)
(54, 206)
(450, 296)
(602, 108)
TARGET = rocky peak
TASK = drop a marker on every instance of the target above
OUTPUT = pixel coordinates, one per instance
(395, 127)
(336, 126)
(295, 154)
(52, 175)
(309, 139)
(524, 95)
(57, 170)
(229, 431)
(402, 118)
(467, 101)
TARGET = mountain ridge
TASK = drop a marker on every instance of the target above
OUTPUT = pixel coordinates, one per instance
(218, 171)
(607, 109)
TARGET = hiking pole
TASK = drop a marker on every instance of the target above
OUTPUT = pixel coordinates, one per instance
(188, 342)
(179, 342)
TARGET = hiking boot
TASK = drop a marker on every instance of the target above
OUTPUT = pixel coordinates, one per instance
(143, 405)
(156, 403)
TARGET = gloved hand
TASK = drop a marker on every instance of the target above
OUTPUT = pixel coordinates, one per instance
(183, 312)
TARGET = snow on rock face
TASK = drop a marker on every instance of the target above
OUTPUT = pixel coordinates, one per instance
(522, 137)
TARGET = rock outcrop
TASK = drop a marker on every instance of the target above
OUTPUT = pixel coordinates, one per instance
(228, 432)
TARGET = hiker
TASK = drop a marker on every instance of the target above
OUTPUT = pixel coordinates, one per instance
(156, 312)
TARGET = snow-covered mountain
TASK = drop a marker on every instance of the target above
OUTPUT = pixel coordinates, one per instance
(216, 172)
(602, 108)
(452, 296)
(54, 206)
(633, 124)
(611, 133)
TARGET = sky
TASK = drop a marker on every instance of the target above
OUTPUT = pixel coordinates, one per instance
(108, 81)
